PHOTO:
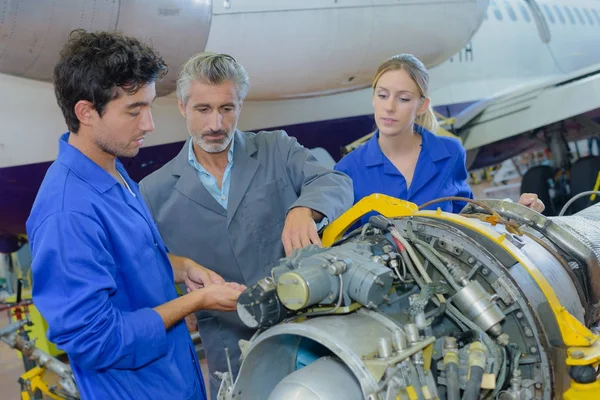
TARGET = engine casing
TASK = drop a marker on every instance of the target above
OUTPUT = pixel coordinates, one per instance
(489, 306)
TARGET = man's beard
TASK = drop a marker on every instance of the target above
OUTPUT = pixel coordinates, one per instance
(115, 151)
(213, 146)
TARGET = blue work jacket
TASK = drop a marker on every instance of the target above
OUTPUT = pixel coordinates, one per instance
(440, 172)
(99, 268)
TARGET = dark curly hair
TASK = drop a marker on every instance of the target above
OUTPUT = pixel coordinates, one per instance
(94, 65)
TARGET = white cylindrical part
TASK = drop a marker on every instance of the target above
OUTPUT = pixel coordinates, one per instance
(327, 378)
(385, 347)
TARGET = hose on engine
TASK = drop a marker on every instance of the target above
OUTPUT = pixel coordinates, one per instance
(464, 199)
(408, 248)
(499, 368)
(490, 344)
(456, 315)
(516, 355)
(433, 314)
(417, 278)
(404, 247)
(403, 277)
(452, 388)
(415, 378)
(477, 361)
(422, 284)
(574, 198)
(364, 230)
(409, 264)
(501, 374)
(429, 252)
(473, 384)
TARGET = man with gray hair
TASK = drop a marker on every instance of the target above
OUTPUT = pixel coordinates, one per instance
(233, 201)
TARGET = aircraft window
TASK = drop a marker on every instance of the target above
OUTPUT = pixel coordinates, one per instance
(560, 14)
(497, 12)
(570, 15)
(525, 12)
(549, 13)
(579, 16)
(588, 16)
(597, 16)
(511, 12)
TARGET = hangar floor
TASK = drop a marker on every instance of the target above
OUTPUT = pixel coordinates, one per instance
(11, 367)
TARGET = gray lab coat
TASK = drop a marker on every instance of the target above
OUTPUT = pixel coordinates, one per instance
(271, 174)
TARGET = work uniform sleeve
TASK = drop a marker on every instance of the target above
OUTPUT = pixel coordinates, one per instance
(460, 176)
(73, 283)
(319, 188)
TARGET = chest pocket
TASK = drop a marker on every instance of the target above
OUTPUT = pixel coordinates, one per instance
(143, 246)
(264, 207)
(135, 244)
(264, 214)
(447, 187)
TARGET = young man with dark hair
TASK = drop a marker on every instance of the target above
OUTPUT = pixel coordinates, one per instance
(102, 276)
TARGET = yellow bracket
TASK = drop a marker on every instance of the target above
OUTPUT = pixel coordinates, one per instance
(34, 381)
(589, 355)
(387, 206)
(582, 391)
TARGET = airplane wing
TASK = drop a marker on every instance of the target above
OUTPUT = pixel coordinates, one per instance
(529, 107)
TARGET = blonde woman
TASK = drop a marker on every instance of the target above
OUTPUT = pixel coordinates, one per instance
(404, 159)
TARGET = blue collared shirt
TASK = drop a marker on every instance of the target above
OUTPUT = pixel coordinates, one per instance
(210, 183)
(440, 172)
(99, 268)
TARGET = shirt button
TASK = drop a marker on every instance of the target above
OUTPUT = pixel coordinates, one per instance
(223, 197)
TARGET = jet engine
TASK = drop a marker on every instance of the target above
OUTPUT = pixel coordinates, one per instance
(498, 302)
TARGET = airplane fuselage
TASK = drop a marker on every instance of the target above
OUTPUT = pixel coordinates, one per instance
(311, 79)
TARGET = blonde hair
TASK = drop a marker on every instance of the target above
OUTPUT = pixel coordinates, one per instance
(417, 71)
(213, 69)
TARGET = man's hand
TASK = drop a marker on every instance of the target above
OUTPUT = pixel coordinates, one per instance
(531, 200)
(220, 296)
(300, 229)
(191, 322)
(196, 276)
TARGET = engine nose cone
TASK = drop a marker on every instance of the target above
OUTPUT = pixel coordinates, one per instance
(325, 379)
